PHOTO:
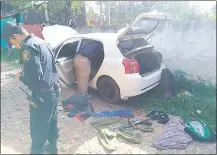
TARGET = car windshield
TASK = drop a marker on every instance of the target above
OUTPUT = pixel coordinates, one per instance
(143, 27)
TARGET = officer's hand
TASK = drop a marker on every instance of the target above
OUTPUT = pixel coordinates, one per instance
(18, 76)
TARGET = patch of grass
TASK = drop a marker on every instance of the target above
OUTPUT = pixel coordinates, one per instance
(204, 99)
(13, 60)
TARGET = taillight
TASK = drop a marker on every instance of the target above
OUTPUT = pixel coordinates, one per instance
(131, 66)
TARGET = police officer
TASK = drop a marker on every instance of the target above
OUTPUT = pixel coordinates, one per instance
(40, 75)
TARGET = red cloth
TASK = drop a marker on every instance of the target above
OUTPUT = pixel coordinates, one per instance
(35, 29)
(70, 106)
(80, 118)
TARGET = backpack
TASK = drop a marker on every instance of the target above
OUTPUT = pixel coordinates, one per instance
(199, 131)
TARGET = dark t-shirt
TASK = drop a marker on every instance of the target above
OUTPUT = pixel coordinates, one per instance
(90, 49)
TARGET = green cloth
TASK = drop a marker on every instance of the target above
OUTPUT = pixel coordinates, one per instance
(113, 123)
(109, 131)
(107, 138)
(106, 122)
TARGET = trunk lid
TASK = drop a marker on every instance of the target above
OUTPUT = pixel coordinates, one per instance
(133, 45)
(143, 25)
(56, 34)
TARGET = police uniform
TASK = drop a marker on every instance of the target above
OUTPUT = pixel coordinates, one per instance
(40, 75)
(40, 72)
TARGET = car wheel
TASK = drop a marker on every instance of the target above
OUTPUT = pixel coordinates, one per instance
(108, 90)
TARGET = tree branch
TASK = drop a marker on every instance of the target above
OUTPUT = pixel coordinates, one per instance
(60, 18)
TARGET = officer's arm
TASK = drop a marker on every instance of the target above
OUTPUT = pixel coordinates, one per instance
(32, 67)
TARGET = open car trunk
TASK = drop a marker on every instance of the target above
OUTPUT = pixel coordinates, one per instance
(138, 49)
(148, 62)
(131, 41)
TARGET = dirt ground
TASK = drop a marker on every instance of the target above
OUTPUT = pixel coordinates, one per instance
(75, 136)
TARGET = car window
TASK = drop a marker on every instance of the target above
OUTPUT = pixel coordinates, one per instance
(68, 50)
(85, 42)
(143, 27)
(91, 49)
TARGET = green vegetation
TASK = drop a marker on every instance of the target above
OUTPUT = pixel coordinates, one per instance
(203, 98)
(122, 12)
(13, 60)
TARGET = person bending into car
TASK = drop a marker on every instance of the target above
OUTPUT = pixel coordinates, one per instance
(82, 64)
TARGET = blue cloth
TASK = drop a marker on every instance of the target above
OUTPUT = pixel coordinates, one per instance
(120, 112)
(3, 21)
(89, 48)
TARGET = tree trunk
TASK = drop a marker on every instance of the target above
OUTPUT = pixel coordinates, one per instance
(60, 19)
(81, 20)
(109, 5)
(68, 11)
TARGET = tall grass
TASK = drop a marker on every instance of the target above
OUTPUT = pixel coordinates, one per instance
(203, 98)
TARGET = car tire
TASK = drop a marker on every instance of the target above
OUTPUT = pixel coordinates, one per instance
(108, 90)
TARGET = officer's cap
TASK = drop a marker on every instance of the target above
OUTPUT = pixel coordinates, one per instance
(8, 30)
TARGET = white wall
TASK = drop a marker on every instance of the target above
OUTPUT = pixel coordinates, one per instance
(189, 46)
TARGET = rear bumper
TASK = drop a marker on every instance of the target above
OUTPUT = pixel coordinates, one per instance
(134, 84)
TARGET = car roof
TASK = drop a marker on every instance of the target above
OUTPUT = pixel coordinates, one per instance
(100, 36)
(105, 38)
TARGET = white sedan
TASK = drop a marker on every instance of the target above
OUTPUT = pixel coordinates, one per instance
(124, 67)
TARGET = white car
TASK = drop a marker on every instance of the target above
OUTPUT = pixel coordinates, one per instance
(124, 67)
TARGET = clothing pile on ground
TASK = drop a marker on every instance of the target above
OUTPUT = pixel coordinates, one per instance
(121, 123)
(79, 107)
(173, 137)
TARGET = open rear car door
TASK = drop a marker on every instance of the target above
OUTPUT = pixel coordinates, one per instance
(65, 46)
(65, 54)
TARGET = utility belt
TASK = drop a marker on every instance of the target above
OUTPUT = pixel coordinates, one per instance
(37, 99)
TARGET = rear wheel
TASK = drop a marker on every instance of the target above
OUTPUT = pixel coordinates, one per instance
(108, 90)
